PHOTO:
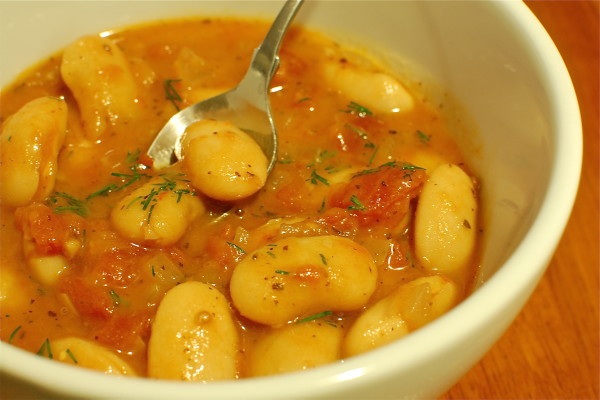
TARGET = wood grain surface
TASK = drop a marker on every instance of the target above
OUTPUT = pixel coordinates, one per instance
(551, 351)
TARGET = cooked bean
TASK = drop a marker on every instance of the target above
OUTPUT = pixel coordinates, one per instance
(445, 222)
(99, 76)
(193, 336)
(300, 276)
(296, 347)
(407, 308)
(157, 213)
(31, 140)
(83, 353)
(222, 161)
(375, 90)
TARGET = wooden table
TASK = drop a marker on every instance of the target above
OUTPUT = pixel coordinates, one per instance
(551, 351)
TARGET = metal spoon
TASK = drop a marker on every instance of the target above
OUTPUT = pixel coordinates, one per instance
(246, 106)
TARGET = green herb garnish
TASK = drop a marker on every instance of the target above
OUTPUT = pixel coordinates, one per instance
(115, 297)
(423, 137)
(63, 202)
(373, 156)
(357, 204)
(45, 348)
(279, 271)
(315, 178)
(235, 246)
(316, 316)
(72, 356)
(171, 93)
(355, 108)
(14, 333)
(323, 259)
(134, 157)
(362, 134)
(392, 164)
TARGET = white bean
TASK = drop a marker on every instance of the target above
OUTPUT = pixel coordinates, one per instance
(157, 213)
(30, 142)
(296, 347)
(375, 90)
(193, 336)
(223, 162)
(47, 269)
(15, 290)
(446, 220)
(409, 307)
(299, 276)
(100, 78)
(83, 353)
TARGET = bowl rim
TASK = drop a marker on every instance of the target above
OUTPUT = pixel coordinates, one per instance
(513, 278)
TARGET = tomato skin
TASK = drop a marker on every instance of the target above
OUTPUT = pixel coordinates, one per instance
(48, 230)
(219, 249)
(382, 196)
(89, 299)
(124, 331)
(341, 221)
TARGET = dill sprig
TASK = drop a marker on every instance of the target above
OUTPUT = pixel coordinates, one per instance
(171, 93)
(63, 202)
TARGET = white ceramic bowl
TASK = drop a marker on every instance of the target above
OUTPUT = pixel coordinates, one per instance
(496, 58)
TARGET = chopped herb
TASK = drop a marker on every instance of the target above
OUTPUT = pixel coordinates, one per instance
(115, 297)
(150, 213)
(132, 158)
(357, 204)
(171, 93)
(133, 201)
(303, 99)
(370, 145)
(104, 191)
(71, 356)
(322, 208)
(316, 178)
(285, 159)
(423, 137)
(355, 108)
(323, 259)
(393, 164)
(235, 246)
(127, 180)
(148, 202)
(373, 156)
(325, 154)
(279, 271)
(14, 333)
(63, 202)
(322, 156)
(316, 316)
(45, 348)
(362, 134)
(270, 253)
(153, 271)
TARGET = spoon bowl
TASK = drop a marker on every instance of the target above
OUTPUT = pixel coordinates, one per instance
(246, 106)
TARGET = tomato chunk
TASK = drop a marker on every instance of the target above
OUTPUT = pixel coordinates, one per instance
(382, 194)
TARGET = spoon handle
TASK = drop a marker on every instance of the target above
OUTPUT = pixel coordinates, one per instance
(265, 59)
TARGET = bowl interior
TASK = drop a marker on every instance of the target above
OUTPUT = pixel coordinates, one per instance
(494, 59)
